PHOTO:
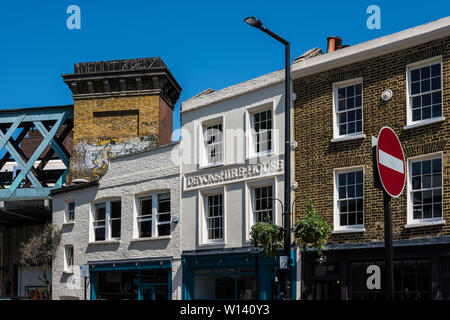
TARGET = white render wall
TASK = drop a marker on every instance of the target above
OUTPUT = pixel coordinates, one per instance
(234, 107)
(127, 176)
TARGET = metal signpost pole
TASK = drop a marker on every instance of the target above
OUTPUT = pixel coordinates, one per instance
(388, 246)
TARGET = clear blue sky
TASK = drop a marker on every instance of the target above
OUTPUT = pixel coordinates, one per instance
(205, 44)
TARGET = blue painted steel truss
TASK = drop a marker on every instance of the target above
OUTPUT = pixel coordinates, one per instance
(14, 126)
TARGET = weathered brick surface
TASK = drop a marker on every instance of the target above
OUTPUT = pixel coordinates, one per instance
(317, 156)
(105, 127)
(89, 124)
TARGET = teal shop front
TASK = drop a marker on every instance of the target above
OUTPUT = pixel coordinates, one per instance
(232, 275)
(131, 280)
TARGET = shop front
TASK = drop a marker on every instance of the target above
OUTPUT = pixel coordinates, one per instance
(131, 280)
(421, 272)
(231, 276)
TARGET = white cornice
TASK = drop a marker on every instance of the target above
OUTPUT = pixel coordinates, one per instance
(373, 48)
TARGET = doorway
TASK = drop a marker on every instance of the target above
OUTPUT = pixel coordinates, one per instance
(327, 290)
(153, 292)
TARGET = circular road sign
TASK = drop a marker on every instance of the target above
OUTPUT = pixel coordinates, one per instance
(391, 162)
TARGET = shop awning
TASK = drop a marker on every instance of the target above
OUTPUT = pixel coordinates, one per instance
(136, 264)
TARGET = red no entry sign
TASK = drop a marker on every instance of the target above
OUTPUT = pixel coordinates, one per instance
(391, 162)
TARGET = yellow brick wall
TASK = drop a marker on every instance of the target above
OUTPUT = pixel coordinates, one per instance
(317, 157)
(105, 127)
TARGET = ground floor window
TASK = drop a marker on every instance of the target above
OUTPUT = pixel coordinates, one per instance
(412, 280)
(133, 285)
(233, 283)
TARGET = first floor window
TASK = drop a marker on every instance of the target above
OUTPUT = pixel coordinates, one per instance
(350, 198)
(99, 221)
(426, 188)
(262, 204)
(349, 109)
(69, 257)
(213, 143)
(70, 211)
(262, 131)
(425, 92)
(154, 215)
(214, 217)
(107, 220)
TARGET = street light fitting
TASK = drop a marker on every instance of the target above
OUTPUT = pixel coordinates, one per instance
(253, 22)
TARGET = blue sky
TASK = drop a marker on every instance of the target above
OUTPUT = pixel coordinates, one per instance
(205, 44)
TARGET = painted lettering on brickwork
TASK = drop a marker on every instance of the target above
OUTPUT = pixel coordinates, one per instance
(115, 65)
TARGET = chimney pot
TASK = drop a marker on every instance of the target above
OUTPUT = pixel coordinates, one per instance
(333, 44)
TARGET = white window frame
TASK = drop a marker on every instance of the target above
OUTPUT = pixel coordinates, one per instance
(250, 202)
(69, 261)
(67, 213)
(108, 219)
(336, 86)
(203, 224)
(409, 68)
(203, 156)
(154, 196)
(410, 221)
(251, 151)
(254, 201)
(337, 228)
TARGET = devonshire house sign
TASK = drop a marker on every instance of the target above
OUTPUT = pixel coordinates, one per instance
(234, 174)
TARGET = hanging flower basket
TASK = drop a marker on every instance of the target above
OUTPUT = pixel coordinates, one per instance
(267, 236)
(312, 230)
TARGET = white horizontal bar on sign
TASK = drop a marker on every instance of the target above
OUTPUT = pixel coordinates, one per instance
(390, 161)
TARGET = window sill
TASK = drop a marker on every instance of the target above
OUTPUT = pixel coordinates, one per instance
(151, 239)
(423, 123)
(105, 242)
(356, 230)
(68, 223)
(68, 271)
(211, 165)
(260, 155)
(349, 138)
(424, 224)
(212, 244)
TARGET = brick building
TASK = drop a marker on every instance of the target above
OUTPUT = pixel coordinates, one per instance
(337, 110)
(120, 106)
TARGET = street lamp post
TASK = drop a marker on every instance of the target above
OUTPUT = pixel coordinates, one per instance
(286, 283)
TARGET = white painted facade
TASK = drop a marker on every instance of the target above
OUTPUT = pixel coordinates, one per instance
(241, 169)
(128, 178)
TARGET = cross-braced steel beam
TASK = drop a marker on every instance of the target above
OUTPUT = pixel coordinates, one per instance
(30, 182)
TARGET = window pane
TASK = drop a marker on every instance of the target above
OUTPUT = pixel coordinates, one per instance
(359, 190)
(426, 166)
(437, 210)
(164, 203)
(115, 229)
(164, 230)
(145, 229)
(417, 197)
(146, 206)
(426, 181)
(100, 211)
(415, 75)
(437, 165)
(436, 83)
(99, 234)
(115, 209)
(436, 110)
